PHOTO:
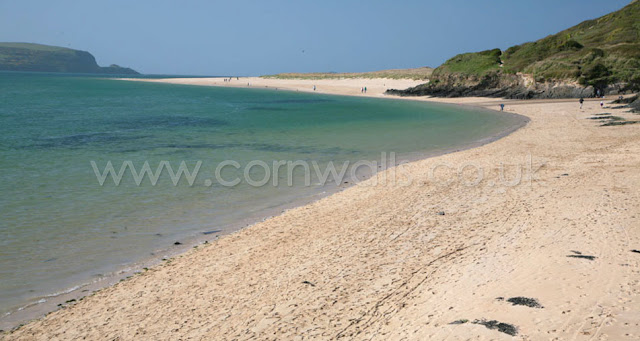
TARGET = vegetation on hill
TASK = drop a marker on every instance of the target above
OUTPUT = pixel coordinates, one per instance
(422, 73)
(596, 52)
(477, 64)
(601, 54)
(44, 58)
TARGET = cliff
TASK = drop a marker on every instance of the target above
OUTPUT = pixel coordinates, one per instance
(44, 58)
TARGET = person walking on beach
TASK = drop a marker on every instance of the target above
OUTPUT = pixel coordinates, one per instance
(581, 102)
(314, 88)
(502, 107)
(365, 89)
(601, 104)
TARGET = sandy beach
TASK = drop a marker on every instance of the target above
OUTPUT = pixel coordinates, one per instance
(550, 212)
(347, 86)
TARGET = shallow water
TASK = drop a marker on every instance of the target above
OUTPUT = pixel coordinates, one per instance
(61, 228)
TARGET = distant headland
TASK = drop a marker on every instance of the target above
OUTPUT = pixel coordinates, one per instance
(45, 58)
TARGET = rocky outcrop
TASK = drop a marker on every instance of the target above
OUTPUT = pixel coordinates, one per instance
(496, 84)
(635, 105)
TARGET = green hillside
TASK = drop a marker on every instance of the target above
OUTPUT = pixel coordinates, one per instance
(44, 58)
(601, 54)
(596, 52)
(476, 64)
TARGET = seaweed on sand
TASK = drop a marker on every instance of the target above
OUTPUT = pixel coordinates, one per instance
(618, 123)
(582, 257)
(499, 326)
(526, 301)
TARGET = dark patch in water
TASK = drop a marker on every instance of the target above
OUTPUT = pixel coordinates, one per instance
(268, 109)
(264, 147)
(211, 232)
(290, 101)
(191, 146)
(289, 149)
(78, 140)
(169, 122)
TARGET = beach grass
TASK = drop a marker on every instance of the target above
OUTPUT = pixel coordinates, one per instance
(421, 73)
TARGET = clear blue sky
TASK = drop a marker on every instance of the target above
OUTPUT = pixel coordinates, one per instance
(238, 37)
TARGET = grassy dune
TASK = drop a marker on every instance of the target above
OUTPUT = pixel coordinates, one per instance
(422, 73)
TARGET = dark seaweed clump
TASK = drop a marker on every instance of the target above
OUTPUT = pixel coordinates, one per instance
(499, 326)
(618, 123)
(603, 116)
(526, 301)
(582, 257)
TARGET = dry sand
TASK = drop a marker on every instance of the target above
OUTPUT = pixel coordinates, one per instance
(348, 86)
(383, 263)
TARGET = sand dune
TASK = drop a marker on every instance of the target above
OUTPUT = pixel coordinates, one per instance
(392, 262)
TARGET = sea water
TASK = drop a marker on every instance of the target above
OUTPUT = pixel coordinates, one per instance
(61, 228)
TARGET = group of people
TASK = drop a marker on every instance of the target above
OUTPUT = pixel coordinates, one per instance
(363, 90)
(601, 102)
(582, 103)
(230, 78)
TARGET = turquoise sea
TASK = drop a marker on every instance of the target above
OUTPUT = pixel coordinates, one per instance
(60, 229)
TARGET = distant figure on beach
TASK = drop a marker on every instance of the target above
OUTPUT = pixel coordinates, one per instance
(365, 89)
(581, 102)
(502, 107)
(314, 88)
(362, 89)
(601, 104)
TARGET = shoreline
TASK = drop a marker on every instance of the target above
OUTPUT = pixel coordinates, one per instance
(37, 309)
(285, 220)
